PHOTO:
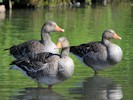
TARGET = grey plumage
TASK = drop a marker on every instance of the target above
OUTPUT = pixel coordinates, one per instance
(99, 55)
(27, 48)
(46, 67)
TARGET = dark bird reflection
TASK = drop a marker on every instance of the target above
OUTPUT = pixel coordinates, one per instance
(37, 94)
(98, 88)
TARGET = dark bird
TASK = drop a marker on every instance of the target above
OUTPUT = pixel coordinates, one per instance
(99, 55)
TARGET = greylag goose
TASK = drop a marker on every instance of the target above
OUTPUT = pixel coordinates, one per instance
(99, 55)
(25, 49)
(46, 67)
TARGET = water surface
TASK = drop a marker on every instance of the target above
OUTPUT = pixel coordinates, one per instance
(81, 25)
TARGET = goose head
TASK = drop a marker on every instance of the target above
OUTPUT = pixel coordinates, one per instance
(63, 43)
(51, 26)
(110, 34)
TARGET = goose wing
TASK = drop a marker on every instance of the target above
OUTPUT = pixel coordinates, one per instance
(45, 57)
(25, 49)
(36, 69)
(84, 49)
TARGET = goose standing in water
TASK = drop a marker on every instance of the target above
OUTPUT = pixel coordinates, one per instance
(99, 55)
(32, 47)
(46, 67)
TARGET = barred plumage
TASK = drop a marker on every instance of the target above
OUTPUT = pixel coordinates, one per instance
(46, 67)
(99, 55)
(23, 50)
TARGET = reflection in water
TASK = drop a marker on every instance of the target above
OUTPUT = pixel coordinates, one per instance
(81, 25)
(2, 12)
(2, 16)
(98, 88)
(37, 94)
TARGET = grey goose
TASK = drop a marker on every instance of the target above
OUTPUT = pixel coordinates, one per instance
(46, 67)
(101, 54)
(32, 47)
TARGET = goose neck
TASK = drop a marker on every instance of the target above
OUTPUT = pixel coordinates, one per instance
(45, 37)
(106, 42)
(65, 52)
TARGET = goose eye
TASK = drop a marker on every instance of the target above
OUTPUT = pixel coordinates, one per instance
(50, 24)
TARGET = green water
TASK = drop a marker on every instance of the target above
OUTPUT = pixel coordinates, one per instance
(81, 25)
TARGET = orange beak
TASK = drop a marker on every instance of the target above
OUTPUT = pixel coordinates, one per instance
(117, 36)
(59, 45)
(58, 29)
